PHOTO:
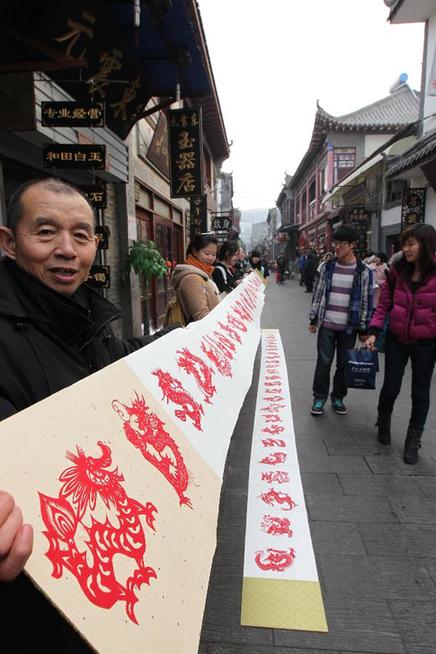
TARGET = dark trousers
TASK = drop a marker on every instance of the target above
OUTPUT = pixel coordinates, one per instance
(422, 357)
(329, 342)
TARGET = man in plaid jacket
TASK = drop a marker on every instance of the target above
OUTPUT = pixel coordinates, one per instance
(342, 307)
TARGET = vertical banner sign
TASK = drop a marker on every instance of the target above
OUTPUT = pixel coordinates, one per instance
(198, 213)
(185, 134)
(413, 207)
(280, 587)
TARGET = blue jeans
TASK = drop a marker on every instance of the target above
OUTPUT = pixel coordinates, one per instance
(329, 342)
(422, 357)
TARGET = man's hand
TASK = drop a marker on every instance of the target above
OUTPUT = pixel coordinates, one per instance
(312, 329)
(370, 342)
(16, 538)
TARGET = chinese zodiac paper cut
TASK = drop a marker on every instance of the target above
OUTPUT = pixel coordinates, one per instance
(275, 560)
(69, 517)
(145, 430)
(173, 391)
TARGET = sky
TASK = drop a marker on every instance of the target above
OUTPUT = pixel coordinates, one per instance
(273, 59)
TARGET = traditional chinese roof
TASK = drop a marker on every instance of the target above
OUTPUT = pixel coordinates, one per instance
(420, 153)
(386, 116)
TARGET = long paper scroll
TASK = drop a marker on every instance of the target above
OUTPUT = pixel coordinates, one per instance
(121, 473)
(281, 587)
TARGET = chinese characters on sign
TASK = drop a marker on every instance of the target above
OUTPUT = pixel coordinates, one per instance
(72, 114)
(158, 150)
(99, 277)
(114, 73)
(186, 147)
(96, 194)
(102, 232)
(88, 157)
(198, 213)
(413, 207)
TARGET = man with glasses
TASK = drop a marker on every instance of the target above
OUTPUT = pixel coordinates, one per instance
(341, 308)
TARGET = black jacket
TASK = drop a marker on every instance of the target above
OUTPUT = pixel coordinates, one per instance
(47, 342)
(223, 277)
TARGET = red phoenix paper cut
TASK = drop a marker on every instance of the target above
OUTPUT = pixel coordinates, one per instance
(275, 526)
(194, 365)
(91, 561)
(145, 430)
(173, 391)
(275, 560)
(273, 497)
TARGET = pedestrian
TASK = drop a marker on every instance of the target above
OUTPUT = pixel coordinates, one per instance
(409, 298)
(54, 331)
(281, 268)
(224, 272)
(301, 264)
(256, 263)
(380, 269)
(192, 280)
(341, 308)
(310, 271)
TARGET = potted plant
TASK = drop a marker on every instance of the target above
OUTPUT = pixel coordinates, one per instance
(147, 263)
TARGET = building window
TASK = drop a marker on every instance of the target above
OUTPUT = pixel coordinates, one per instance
(394, 192)
(345, 160)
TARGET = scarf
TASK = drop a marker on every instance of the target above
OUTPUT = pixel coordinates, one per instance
(193, 261)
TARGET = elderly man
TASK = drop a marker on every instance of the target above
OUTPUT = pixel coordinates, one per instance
(54, 331)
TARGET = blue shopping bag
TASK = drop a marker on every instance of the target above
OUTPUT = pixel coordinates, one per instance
(361, 368)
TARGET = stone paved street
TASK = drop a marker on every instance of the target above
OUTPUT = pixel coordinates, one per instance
(372, 518)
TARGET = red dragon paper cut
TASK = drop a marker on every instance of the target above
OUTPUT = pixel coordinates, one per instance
(194, 365)
(273, 429)
(219, 357)
(233, 320)
(275, 560)
(273, 497)
(275, 526)
(145, 430)
(173, 391)
(91, 560)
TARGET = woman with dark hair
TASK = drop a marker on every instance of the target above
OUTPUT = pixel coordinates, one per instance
(191, 280)
(223, 274)
(409, 298)
(257, 264)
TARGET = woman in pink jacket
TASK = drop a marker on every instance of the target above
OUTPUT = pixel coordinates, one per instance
(409, 298)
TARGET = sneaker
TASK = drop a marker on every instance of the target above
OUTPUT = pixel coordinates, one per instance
(317, 407)
(339, 406)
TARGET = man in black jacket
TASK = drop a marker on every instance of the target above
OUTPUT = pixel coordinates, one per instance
(54, 331)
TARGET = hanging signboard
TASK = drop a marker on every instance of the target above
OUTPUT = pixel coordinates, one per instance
(221, 223)
(99, 276)
(96, 194)
(413, 207)
(198, 213)
(102, 232)
(85, 157)
(158, 150)
(186, 148)
(115, 75)
(72, 114)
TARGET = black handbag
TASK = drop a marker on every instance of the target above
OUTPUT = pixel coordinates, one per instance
(361, 368)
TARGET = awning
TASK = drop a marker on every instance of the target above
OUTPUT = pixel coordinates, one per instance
(288, 228)
(94, 51)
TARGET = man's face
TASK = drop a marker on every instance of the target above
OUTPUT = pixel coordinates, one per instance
(343, 249)
(54, 240)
